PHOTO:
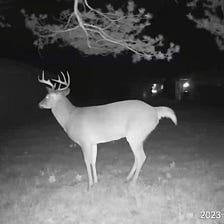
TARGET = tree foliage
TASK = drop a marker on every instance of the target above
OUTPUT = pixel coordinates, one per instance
(4, 6)
(95, 32)
(209, 15)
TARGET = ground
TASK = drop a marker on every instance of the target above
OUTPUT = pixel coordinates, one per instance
(43, 178)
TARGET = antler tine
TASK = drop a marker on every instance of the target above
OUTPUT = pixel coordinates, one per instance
(47, 81)
(68, 78)
(63, 82)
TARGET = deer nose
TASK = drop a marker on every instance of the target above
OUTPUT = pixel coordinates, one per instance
(40, 105)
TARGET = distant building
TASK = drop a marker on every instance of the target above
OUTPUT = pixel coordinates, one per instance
(203, 86)
(200, 86)
(147, 88)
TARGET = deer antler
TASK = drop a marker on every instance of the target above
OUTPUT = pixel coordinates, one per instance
(62, 81)
(47, 81)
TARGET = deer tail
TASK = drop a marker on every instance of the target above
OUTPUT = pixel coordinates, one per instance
(166, 112)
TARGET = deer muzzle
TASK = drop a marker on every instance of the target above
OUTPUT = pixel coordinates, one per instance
(41, 106)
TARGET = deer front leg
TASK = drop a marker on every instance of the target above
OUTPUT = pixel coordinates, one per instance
(93, 162)
(87, 159)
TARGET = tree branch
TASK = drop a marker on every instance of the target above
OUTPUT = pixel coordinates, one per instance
(111, 32)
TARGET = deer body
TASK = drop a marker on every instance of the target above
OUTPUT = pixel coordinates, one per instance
(89, 126)
(99, 124)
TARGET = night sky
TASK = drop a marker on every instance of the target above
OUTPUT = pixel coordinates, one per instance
(198, 50)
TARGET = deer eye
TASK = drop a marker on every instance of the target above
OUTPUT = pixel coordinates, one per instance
(47, 97)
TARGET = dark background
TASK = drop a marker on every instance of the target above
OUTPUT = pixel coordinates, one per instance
(198, 47)
(98, 79)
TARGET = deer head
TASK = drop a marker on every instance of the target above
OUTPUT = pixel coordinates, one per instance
(54, 94)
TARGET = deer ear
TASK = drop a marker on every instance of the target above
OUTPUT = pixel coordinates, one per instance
(49, 90)
(66, 92)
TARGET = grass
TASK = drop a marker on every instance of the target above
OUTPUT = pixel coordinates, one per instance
(43, 180)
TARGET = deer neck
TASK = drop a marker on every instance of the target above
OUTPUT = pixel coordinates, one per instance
(62, 110)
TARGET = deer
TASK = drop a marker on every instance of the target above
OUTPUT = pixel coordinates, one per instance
(91, 125)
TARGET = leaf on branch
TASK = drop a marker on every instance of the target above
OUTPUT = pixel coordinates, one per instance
(212, 18)
(3, 23)
(94, 32)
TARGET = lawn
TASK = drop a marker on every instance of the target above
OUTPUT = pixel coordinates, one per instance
(43, 178)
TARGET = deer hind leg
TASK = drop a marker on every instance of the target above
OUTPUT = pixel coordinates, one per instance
(141, 159)
(139, 154)
(93, 162)
(133, 169)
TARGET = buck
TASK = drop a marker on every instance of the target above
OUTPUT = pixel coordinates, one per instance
(89, 126)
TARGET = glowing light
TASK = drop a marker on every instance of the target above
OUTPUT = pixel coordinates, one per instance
(186, 84)
(154, 91)
(154, 88)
